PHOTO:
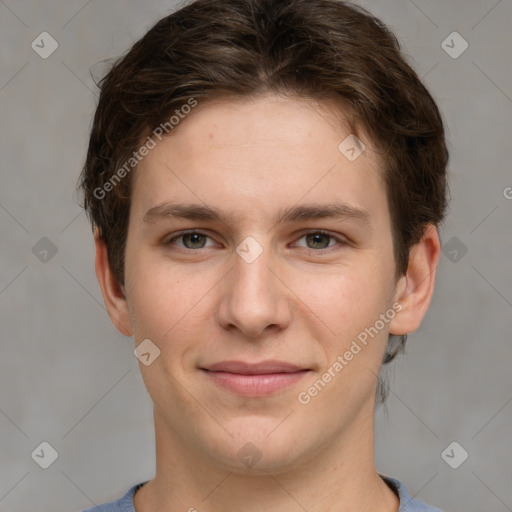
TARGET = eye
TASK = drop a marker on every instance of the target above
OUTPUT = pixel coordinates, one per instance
(320, 240)
(190, 240)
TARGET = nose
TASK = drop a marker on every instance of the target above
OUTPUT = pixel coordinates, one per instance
(254, 300)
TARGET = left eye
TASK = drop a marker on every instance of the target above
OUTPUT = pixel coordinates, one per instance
(318, 240)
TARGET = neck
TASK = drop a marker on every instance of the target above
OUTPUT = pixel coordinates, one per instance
(340, 476)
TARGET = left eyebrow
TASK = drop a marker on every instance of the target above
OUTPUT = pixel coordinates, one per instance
(340, 211)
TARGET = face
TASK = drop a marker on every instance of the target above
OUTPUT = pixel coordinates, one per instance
(257, 255)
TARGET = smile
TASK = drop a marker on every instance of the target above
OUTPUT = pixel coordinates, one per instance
(254, 380)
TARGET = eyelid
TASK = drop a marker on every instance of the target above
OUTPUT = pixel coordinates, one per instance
(167, 241)
(320, 231)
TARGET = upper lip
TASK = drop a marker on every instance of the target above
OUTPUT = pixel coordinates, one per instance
(261, 368)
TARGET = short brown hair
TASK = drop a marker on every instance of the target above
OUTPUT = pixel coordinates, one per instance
(317, 49)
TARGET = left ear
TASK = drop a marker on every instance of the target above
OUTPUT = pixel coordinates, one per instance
(414, 290)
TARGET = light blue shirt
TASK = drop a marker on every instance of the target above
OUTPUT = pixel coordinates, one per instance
(407, 504)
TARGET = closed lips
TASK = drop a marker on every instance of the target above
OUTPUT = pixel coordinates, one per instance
(254, 379)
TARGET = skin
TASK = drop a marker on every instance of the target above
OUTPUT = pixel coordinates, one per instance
(303, 300)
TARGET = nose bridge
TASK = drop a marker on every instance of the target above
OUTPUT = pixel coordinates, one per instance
(251, 273)
(251, 278)
(252, 297)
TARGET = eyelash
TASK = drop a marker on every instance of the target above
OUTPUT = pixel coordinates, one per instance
(315, 252)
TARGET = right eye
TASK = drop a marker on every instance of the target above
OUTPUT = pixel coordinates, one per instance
(191, 240)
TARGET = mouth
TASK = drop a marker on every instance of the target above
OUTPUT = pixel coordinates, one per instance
(254, 379)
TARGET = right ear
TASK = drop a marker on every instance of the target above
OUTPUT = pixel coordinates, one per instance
(112, 291)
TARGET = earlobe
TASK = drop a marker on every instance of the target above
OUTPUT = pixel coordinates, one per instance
(416, 287)
(113, 292)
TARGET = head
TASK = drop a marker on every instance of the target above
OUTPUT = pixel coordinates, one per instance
(242, 108)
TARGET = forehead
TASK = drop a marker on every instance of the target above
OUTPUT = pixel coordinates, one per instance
(258, 154)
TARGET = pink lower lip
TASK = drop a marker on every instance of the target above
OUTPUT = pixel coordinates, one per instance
(256, 384)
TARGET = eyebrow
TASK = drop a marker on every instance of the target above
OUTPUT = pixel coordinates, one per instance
(340, 211)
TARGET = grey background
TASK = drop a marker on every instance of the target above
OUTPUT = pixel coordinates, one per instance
(69, 378)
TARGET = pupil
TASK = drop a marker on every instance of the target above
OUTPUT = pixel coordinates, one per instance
(317, 240)
(195, 239)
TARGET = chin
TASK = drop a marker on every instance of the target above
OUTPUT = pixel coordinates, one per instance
(260, 445)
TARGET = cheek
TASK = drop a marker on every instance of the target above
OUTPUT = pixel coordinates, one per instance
(167, 303)
(345, 300)
(150, 297)
(349, 307)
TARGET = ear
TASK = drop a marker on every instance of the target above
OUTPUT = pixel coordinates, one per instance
(415, 289)
(113, 293)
